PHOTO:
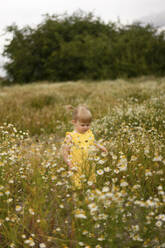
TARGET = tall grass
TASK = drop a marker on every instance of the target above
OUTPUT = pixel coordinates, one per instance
(38, 207)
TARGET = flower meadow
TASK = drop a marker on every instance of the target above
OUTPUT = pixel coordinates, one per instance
(38, 205)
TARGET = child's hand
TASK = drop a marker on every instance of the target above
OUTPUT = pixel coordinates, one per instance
(104, 149)
(69, 164)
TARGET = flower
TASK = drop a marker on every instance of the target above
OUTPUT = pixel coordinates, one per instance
(105, 189)
(158, 223)
(157, 158)
(42, 245)
(161, 217)
(30, 242)
(12, 245)
(81, 244)
(7, 192)
(18, 208)
(148, 172)
(101, 161)
(90, 183)
(107, 169)
(100, 172)
(80, 213)
(123, 183)
(101, 238)
(31, 211)
(123, 167)
(93, 207)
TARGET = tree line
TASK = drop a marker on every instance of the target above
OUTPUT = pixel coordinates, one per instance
(82, 46)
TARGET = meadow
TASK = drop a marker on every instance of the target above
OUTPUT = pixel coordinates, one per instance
(38, 206)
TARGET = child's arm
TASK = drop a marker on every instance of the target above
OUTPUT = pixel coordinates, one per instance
(66, 150)
(101, 147)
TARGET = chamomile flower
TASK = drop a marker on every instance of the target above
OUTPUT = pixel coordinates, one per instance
(100, 172)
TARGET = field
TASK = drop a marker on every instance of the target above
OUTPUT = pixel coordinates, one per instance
(39, 208)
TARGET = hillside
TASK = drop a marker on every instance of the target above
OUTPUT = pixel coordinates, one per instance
(123, 206)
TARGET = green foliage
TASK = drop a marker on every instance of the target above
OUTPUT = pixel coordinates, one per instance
(82, 46)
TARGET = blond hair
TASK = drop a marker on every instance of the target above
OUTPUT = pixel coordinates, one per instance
(80, 113)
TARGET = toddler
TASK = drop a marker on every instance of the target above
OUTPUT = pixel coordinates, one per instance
(77, 146)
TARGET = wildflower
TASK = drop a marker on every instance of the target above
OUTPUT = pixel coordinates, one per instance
(100, 172)
(92, 207)
(90, 183)
(18, 208)
(146, 150)
(12, 245)
(85, 232)
(1, 164)
(148, 172)
(53, 178)
(101, 161)
(79, 213)
(42, 245)
(101, 238)
(103, 216)
(123, 183)
(58, 229)
(160, 187)
(161, 217)
(97, 225)
(133, 158)
(104, 154)
(30, 242)
(159, 172)
(116, 171)
(105, 189)
(158, 223)
(136, 237)
(122, 161)
(157, 158)
(7, 192)
(135, 228)
(123, 167)
(107, 169)
(50, 239)
(59, 183)
(150, 203)
(81, 244)
(11, 181)
(31, 211)
(136, 186)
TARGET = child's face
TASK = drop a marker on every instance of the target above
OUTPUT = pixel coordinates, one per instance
(81, 127)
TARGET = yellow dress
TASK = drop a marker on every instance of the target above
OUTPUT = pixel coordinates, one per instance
(80, 147)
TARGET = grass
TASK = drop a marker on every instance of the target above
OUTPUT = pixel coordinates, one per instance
(38, 207)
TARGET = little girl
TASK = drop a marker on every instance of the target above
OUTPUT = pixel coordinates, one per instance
(77, 146)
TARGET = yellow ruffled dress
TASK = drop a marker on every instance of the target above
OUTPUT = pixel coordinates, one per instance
(81, 147)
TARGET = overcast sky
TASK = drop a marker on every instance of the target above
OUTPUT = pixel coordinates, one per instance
(30, 12)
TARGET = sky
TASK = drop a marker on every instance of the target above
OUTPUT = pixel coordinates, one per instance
(31, 12)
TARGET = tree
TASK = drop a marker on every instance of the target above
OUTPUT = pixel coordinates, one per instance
(82, 46)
